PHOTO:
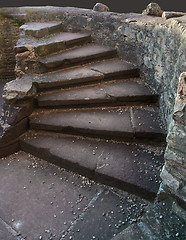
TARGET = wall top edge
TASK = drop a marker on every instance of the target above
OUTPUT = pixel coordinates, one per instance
(48, 12)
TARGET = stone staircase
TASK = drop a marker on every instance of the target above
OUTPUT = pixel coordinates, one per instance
(93, 114)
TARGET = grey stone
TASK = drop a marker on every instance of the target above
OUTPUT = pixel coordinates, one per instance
(55, 43)
(118, 164)
(158, 223)
(99, 7)
(77, 56)
(170, 180)
(19, 89)
(167, 15)
(115, 67)
(123, 91)
(175, 157)
(100, 122)
(13, 113)
(146, 122)
(179, 211)
(68, 77)
(153, 9)
(176, 137)
(6, 231)
(39, 30)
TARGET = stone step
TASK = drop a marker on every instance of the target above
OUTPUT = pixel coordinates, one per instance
(39, 30)
(78, 55)
(103, 70)
(118, 92)
(128, 123)
(52, 44)
(133, 168)
(114, 68)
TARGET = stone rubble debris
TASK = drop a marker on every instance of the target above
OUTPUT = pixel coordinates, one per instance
(99, 7)
(153, 9)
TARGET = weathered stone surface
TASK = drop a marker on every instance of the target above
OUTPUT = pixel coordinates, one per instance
(170, 180)
(167, 15)
(176, 137)
(39, 30)
(115, 68)
(54, 203)
(99, 7)
(88, 156)
(181, 91)
(146, 120)
(107, 122)
(14, 113)
(158, 223)
(68, 77)
(52, 43)
(139, 39)
(153, 9)
(19, 89)
(175, 158)
(11, 133)
(10, 148)
(116, 92)
(80, 55)
(174, 172)
(29, 49)
(6, 232)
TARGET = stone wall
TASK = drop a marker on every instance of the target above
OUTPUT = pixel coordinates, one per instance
(9, 32)
(174, 170)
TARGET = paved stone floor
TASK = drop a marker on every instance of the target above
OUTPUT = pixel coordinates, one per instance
(42, 201)
(39, 200)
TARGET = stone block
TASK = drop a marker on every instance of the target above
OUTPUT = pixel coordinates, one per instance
(175, 158)
(176, 137)
(99, 7)
(170, 180)
(14, 113)
(171, 14)
(19, 89)
(153, 9)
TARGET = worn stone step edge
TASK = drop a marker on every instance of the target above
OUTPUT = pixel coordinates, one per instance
(76, 77)
(28, 85)
(50, 99)
(46, 28)
(44, 48)
(131, 133)
(51, 63)
(46, 154)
